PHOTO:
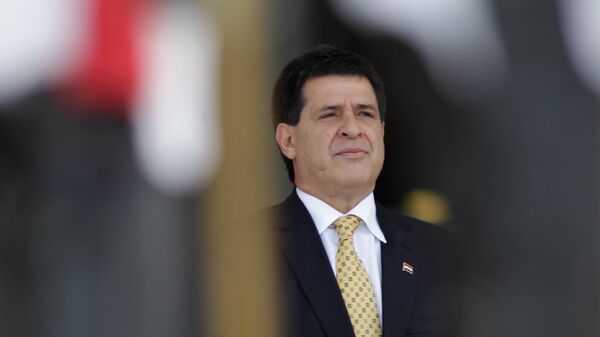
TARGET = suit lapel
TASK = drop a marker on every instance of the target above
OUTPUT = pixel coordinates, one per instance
(303, 249)
(398, 286)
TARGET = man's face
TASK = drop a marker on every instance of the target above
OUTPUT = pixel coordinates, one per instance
(337, 146)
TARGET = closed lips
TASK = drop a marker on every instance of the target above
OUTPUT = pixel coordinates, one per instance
(351, 150)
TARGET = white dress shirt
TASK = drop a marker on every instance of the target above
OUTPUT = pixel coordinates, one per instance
(367, 237)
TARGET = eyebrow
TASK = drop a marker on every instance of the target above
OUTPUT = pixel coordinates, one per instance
(365, 106)
(359, 106)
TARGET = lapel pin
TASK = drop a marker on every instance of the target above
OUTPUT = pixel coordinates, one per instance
(406, 267)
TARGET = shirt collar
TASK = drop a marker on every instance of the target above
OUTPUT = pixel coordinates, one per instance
(323, 215)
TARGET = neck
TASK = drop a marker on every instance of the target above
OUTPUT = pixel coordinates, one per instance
(342, 202)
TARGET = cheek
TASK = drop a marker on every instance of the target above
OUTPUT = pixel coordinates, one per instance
(327, 138)
(378, 149)
(320, 153)
(312, 146)
(381, 148)
(375, 137)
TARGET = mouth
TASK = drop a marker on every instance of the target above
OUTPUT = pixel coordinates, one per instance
(351, 152)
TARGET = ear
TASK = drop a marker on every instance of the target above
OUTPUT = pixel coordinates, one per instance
(285, 137)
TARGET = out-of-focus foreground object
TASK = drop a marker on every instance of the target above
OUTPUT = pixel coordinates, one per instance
(581, 26)
(458, 39)
(99, 196)
(241, 283)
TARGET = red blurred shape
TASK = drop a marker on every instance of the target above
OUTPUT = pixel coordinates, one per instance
(105, 80)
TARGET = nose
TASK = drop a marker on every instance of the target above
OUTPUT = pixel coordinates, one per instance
(350, 127)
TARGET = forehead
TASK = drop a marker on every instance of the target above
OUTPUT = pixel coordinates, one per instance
(329, 88)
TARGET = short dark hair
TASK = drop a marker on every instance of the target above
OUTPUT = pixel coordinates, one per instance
(323, 60)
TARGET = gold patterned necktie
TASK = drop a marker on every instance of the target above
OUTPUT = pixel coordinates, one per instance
(354, 282)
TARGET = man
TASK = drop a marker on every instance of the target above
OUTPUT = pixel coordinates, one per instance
(350, 266)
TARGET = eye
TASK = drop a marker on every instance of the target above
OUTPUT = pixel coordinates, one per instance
(367, 113)
(328, 114)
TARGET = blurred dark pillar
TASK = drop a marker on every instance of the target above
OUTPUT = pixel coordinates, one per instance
(15, 276)
(93, 249)
(531, 208)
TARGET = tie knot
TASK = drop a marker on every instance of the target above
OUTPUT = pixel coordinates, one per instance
(346, 225)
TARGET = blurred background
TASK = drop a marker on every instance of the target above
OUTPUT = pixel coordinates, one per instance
(134, 136)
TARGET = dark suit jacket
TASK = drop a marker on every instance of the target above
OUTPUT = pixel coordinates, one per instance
(418, 304)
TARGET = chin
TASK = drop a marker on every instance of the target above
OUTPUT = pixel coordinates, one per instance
(355, 182)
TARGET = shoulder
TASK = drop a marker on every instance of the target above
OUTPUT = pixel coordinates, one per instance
(426, 238)
(427, 232)
(290, 210)
(409, 224)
